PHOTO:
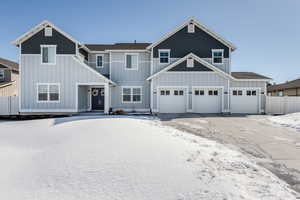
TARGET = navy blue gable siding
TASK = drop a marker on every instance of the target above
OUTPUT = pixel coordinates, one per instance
(182, 43)
(33, 44)
(182, 67)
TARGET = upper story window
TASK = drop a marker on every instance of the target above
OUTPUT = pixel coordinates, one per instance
(217, 56)
(191, 28)
(99, 61)
(190, 62)
(131, 61)
(1, 74)
(48, 54)
(48, 32)
(164, 56)
(48, 92)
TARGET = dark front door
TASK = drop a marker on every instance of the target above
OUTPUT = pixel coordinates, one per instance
(97, 98)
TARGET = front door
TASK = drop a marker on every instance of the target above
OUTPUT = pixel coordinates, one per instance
(97, 98)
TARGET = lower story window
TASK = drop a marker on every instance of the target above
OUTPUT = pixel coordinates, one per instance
(48, 92)
(132, 94)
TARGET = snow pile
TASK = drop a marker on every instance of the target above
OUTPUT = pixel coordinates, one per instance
(124, 158)
(289, 120)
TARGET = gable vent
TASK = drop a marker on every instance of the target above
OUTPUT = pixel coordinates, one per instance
(191, 28)
(190, 62)
(48, 32)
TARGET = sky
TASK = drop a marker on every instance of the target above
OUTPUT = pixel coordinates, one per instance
(265, 32)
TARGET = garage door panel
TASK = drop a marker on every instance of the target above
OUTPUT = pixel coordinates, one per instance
(172, 100)
(207, 100)
(244, 100)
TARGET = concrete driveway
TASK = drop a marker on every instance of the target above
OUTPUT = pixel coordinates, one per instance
(276, 148)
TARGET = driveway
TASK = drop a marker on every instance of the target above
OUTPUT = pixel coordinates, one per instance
(275, 148)
(128, 158)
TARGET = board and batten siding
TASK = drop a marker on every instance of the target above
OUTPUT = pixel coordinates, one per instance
(92, 62)
(67, 72)
(205, 79)
(252, 84)
(123, 77)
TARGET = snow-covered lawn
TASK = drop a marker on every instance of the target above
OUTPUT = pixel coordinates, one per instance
(124, 158)
(289, 120)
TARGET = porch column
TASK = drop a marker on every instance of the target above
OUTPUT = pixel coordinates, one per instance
(106, 98)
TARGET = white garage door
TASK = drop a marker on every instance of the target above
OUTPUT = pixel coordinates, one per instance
(207, 100)
(172, 100)
(244, 100)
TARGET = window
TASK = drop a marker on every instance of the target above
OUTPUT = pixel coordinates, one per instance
(213, 92)
(48, 32)
(191, 28)
(99, 61)
(48, 92)
(280, 93)
(176, 92)
(240, 92)
(217, 56)
(165, 92)
(132, 95)
(48, 54)
(251, 92)
(237, 92)
(131, 62)
(180, 92)
(1, 74)
(164, 56)
(190, 62)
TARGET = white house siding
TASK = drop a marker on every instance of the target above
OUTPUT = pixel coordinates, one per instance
(123, 77)
(83, 98)
(252, 84)
(92, 63)
(188, 79)
(67, 72)
(224, 67)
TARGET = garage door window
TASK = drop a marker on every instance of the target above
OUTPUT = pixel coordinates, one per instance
(165, 92)
(237, 92)
(251, 92)
(178, 92)
(199, 92)
(213, 92)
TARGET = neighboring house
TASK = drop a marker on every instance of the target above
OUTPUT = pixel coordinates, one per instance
(187, 70)
(9, 78)
(290, 88)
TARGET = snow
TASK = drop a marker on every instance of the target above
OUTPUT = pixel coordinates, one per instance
(124, 158)
(289, 120)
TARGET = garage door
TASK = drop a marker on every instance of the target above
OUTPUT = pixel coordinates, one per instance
(244, 100)
(172, 100)
(207, 100)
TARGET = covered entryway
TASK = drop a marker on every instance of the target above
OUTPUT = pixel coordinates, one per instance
(244, 100)
(172, 100)
(207, 100)
(97, 98)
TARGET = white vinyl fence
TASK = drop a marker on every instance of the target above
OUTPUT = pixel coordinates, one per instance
(282, 105)
(9, 105)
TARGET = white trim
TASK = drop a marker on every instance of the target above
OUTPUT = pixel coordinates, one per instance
(135, 68)
(48, 110)
(204, 28)
(169, 55)
(265, 80)
(132, 109)
(48, 31)
(48, 93)
(127, 51)
(99, 55)
(212, 56)
(200, 60)
(131, 94)
(51, 46)
(158, 88)
(20, 77)
(151, 95)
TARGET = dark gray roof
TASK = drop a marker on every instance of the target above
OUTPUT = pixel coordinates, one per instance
(9, 64)
(287, 85)
(248, 75)
(117, 46)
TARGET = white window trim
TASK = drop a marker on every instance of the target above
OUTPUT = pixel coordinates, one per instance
(2, 71)
(190, 63)
(191, 27)
(48, 30)
(48, 92)
(131, 94)
(99, 55)
(137, 64)
(54, 56)
(212, 55)
(169, 51)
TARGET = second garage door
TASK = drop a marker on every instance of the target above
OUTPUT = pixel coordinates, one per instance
(207, 100)
(172, 100)
(244, 100)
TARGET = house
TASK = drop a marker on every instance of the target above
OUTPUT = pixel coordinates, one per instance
(9, 78)
(187, 70)
(290, 88)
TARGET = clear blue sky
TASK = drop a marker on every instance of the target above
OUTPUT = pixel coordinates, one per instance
(266, 32)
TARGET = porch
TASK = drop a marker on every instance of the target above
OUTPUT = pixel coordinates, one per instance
(93, 97)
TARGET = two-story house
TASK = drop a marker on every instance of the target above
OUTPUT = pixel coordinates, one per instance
(9, 78)
(187, 70)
